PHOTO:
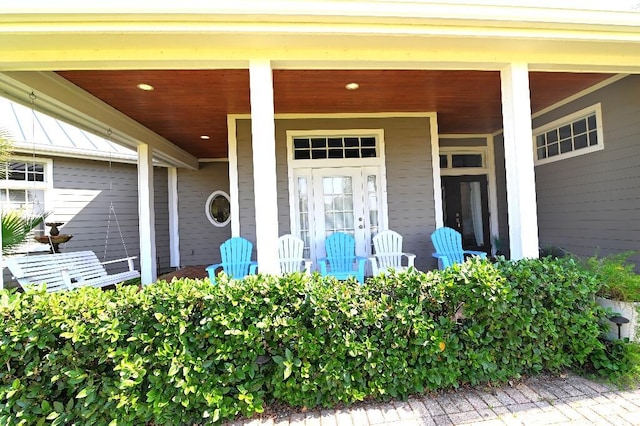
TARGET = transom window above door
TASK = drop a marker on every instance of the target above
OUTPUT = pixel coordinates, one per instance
(457, 161)
(334, 147)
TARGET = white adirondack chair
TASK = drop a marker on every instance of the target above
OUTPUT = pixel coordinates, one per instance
(388, 253)
(290, 252)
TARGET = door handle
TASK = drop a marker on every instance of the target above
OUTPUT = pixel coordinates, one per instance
(458, 220)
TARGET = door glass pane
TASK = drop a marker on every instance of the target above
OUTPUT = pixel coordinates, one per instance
(472, 225)
(372, 204)
(338, 204)
(348, 203)
(303, 209)
(466, 160)
(346, 186)
(328, 203)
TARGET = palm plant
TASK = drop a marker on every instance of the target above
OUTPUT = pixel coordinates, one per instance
(15, 224)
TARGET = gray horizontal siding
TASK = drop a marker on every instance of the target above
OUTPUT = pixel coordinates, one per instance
(589, 203)
(409, 176)
(245, 181)
(199, 239)
(410, 186)
(81, 198)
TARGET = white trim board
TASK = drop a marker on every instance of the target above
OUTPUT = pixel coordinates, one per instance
(579, 95)
(489, 169)
(233, 157)
(568, 120)
(379, 162)
(435, 165)
(572, 98)
(234, 190)
(174, 216)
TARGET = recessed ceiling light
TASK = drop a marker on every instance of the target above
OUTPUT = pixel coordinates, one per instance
(205, 137)
(145, 86)
(352, 86)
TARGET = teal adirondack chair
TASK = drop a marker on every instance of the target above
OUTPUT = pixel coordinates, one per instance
(448, 245)
(236, 259)
(341, 261)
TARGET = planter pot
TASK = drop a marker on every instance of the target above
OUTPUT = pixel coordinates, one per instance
(628, 310)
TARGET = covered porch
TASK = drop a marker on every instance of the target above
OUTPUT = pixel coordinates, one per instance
(433, 85)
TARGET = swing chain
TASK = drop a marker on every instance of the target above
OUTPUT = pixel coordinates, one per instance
(36, 207)
(112, 210)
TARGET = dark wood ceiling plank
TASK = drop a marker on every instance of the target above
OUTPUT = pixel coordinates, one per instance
(188, 103)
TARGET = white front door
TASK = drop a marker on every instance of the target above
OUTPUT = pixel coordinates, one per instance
(338, 199)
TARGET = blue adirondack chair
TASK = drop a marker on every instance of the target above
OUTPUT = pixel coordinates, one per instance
(236, 259)
(448, 245)
(341, 258)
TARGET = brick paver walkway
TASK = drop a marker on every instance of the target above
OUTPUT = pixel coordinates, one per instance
(538, 401)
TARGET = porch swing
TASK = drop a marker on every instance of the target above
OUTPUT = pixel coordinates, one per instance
(71, 270)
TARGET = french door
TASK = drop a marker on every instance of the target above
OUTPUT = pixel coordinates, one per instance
(338, 199)
(466, 209)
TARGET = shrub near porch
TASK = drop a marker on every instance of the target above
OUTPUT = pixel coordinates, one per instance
(188, 351)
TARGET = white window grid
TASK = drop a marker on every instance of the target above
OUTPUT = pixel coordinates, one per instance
(570, 136)
(24, 188)
(334, 147)
(338, 205)
(24, 185)
(462, 160)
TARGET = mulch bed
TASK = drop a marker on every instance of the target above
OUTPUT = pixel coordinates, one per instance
(196, 271)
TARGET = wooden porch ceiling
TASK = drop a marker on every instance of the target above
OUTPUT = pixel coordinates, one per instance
(186, 104)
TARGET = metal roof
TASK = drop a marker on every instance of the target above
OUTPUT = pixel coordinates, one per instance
(33, 131)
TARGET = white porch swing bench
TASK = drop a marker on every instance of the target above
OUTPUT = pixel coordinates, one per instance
(67, 271)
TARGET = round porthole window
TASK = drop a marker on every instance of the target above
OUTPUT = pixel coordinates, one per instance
(218, 208)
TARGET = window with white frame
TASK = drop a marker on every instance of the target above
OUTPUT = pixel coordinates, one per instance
(334, 147)
(570, 136)
(461, 160)
(218, 208)
(23, 188)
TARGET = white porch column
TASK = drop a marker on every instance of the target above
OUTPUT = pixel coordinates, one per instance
(518, 154)
(264, 165)
(174, 234)
(146, 216)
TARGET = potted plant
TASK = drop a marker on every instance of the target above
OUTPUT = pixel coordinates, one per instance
(620, 291)
(497, 246)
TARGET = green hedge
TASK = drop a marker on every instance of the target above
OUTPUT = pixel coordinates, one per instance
(188, 352)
